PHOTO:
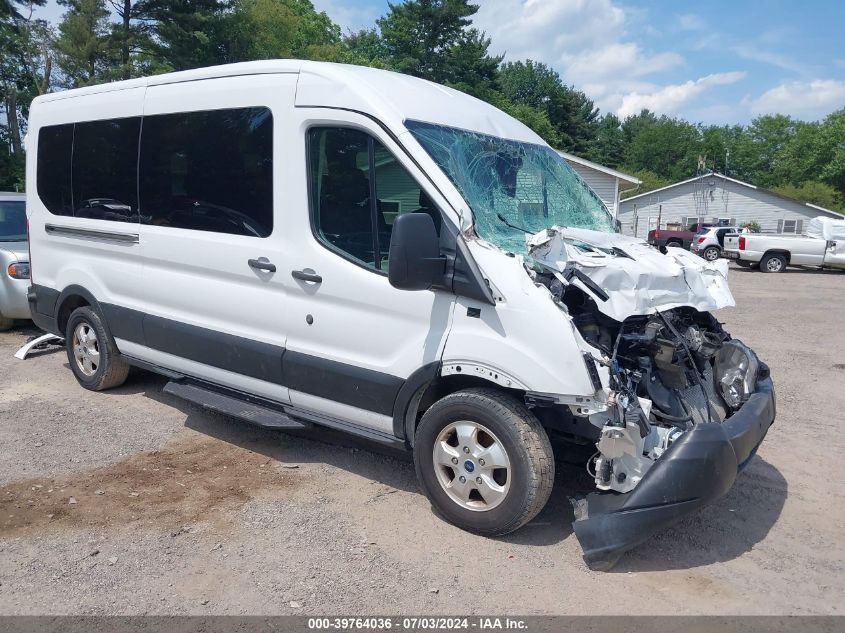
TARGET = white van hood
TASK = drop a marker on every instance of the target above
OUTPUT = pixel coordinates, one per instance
(637, 279)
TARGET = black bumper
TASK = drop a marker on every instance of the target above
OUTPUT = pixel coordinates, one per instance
(697, 469)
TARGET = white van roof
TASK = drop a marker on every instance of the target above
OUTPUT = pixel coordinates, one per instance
(390, 97)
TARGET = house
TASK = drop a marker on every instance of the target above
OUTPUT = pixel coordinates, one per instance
(607, 183)
(717, 199)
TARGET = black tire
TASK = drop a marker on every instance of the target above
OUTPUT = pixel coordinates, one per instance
(532, 468)
(773, 263)
(110, 370)
(712, 253)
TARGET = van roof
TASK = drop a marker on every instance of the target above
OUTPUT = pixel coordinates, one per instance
(390, 97)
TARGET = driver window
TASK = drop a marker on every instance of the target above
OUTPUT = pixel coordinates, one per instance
(358, 189)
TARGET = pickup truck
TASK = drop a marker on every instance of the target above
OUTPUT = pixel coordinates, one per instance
(822, 244)
(661, 238)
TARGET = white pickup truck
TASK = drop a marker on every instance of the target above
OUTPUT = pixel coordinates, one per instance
(822, 244)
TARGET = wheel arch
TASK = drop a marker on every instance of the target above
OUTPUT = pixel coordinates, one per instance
(425, 387)
(777, 251)
(71, 298)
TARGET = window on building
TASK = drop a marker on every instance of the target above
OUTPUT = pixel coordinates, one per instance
(352, 211)
(690, 221)
(209, 171)
(790, 226)
(55, 144)
(105, 168)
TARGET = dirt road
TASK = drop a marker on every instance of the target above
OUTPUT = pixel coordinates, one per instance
(133, 502)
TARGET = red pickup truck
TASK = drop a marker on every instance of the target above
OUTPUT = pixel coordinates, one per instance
(661, 238)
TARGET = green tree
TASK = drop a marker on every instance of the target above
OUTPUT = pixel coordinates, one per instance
(266, 29)
(433, 39)
(572, 114)
(668, 147)
(129, 40)
(814, 192)
(608, 143)
(184, 33)
(82, 45)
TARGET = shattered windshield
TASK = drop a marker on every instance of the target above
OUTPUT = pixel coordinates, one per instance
(512, 188)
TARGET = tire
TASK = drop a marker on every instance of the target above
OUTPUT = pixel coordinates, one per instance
(773, 263)
(712, 253)
(6, 324)
(92, 353)
(499, 419)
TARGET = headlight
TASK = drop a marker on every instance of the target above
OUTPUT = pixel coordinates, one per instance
(736, 370)
(18, 270)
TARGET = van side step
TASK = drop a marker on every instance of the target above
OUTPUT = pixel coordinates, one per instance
(235, 407)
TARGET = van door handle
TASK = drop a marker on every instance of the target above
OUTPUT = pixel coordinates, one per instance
(306, 276)
(262, 264)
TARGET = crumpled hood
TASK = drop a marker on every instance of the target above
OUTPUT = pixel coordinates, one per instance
(637, 278)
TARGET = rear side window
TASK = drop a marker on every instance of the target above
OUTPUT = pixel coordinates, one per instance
(209, 171)
(105, 159)
(55, 145)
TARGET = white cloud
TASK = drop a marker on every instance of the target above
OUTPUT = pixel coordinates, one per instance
(585, 40)
(805, 99)
(619, 60)
(669, 99)
(549, 31)
(763, 56)
(690, 22)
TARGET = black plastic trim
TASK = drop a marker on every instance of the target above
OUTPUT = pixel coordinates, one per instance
(403, 428)
(697, 469)
(355, 386)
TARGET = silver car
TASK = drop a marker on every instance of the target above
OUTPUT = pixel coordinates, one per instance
(14, 259)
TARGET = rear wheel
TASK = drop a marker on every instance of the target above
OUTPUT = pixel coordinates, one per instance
(773, 263)
(484, 461)
(91, 352)
(712, 253)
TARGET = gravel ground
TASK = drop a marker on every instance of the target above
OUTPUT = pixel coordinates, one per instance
(133, 502)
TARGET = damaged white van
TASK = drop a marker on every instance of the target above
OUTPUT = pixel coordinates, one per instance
(309, 244)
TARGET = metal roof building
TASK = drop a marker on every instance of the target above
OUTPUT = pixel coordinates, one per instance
(717, 199)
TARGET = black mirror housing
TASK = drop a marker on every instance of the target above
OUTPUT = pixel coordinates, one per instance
(414, 262)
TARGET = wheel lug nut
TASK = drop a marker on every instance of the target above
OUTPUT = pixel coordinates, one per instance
(478, 480)
(466, 449)
(462, 479)
(454, 460)
(481, 461)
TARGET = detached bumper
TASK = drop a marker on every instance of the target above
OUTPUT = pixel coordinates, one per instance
(698, 468)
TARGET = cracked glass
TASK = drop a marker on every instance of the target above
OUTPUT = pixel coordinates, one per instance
(512, 188)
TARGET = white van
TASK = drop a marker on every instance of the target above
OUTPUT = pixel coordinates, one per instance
(299, 243)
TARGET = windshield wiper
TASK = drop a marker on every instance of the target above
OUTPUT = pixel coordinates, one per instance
(514, 226)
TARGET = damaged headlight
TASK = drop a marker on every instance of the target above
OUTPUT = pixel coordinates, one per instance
(736, 368)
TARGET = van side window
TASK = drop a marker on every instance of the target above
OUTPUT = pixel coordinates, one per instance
(352, 212)
(55, 144)
(105, 163)
(209, 171)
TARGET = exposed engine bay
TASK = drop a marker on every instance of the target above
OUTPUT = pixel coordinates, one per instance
(669, 369)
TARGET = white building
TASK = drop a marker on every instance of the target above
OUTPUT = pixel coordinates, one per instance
(607, 183)
(715, 198)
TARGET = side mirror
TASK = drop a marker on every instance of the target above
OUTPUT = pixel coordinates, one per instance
(414, 262)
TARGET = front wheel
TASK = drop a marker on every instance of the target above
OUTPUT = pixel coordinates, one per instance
(484, 461)
(91, 352)
(774, 263)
